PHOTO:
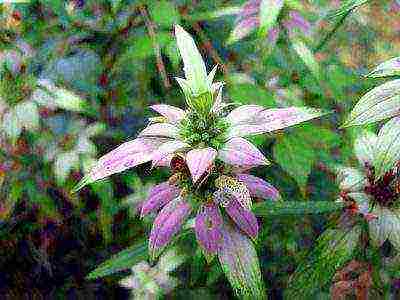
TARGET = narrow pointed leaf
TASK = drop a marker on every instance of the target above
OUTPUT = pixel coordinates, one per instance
(307, 57)
(240, 152)
(172, 113)
(193, 64)
(268, 208)
(387, 68)
(378, 104)
(121, 261)
(240, 264)
(200, 161)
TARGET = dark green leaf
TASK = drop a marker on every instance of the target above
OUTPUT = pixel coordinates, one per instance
(121, 261)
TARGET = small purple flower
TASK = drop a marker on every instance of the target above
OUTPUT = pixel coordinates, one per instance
(243, 217)
(167, 224)
(208, 228)
(258, 187)
(205, 147)
(159, 196)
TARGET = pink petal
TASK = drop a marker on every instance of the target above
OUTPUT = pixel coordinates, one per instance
(159, 196)
(208, 228)
(259, 188)
(200, 161)
(167, 224)
(166, 149)
(274, 119)
(243, 114)
(173, 114)
(126, 156)
(240, 152)
(243, 217)
(160, 130)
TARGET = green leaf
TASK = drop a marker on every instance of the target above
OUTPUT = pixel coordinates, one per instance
(296, 156)
(307, 57)
(239, 261)
(378, 104)
(334, 249)
(269, 12)
(193, 64)
(347, 7)
(268, 208)
(387, 68)
(121, 261)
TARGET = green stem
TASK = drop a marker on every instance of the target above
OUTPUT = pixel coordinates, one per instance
(333, 31)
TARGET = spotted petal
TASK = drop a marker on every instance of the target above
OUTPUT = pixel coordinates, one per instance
(273, 119)
(172, 113)
(160, 130)
(243, 114)
(208, 228)
(127, 155)
(159, 196)
(167, 224)
(200, 161)
(350, 179)
(239, 152)
(232, 188)
(259, 188)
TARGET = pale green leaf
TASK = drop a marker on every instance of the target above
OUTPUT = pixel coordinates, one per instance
(193, 64)
(378, 104)
(388, 147)
(239, 261)
(347, 7)
(387, 68)
(307, 57)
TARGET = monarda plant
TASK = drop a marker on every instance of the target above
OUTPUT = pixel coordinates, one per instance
(368, 229)
(209, 157)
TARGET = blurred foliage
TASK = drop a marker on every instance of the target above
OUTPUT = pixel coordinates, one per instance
(75, 80)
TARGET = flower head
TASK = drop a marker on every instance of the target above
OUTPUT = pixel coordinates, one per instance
(206, 149)
(373, 190)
